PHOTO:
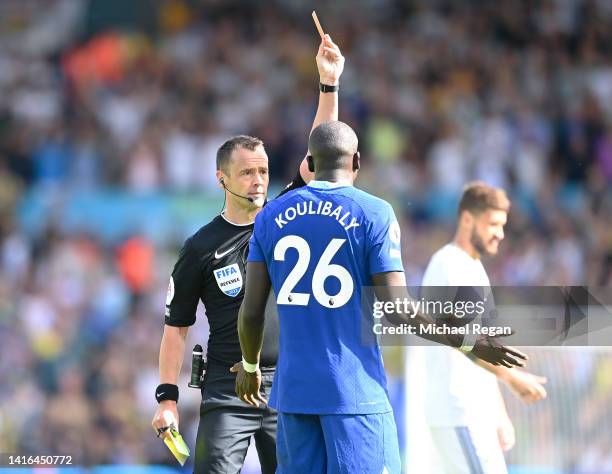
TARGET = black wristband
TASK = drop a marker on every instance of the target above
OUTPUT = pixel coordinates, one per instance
(166, 391)
(327, 88)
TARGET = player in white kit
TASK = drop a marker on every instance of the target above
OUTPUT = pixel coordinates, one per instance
(464, 407)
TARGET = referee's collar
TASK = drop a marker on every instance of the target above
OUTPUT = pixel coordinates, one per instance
(233, 223)
(328, 184)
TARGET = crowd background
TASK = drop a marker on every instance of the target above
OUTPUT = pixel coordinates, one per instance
(110, 116)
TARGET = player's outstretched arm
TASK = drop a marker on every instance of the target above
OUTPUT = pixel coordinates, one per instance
(391, 286)
(251, 318)
(330, 64)
(525, 385)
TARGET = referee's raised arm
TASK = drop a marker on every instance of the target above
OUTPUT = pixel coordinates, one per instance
(330, 64)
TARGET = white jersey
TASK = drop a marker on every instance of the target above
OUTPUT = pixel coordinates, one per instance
(458, 392)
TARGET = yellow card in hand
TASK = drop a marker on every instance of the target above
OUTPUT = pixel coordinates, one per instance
(176, 445)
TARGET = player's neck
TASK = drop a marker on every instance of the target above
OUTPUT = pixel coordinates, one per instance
(335, 176)
(464, 243)
(239, 215)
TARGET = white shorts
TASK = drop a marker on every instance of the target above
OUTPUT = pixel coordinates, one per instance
(468, 450)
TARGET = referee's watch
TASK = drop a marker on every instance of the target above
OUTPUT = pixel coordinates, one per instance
(327, 88)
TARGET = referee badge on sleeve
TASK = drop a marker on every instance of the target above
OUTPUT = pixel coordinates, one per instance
(229, 279)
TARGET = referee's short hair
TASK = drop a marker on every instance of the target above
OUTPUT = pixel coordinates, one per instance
(479, 197)
(224, 153)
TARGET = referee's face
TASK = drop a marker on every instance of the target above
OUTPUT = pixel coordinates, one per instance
(248, 176)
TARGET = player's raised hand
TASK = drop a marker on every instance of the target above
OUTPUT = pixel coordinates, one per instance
(528, 387)
(330, 62)
(248, 385)
(491, 350)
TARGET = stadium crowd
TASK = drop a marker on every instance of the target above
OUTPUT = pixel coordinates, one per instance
(515, 93)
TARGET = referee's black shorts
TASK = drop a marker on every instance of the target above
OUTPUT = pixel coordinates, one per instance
(227, 424)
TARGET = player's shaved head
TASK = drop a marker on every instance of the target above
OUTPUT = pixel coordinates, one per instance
(332, 146)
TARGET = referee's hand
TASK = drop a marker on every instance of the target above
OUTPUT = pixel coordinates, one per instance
(330, 62)
(165, 417)
(248, 385)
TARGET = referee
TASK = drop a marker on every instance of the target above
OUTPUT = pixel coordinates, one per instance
(211, 267)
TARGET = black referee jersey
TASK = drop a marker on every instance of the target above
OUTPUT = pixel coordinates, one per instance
(211, 267)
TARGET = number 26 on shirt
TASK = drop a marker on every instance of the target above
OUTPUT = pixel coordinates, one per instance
(323, 270)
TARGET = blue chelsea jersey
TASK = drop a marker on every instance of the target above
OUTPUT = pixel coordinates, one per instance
(321, 244)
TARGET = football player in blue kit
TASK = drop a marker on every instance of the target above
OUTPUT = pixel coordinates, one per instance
(318, 247)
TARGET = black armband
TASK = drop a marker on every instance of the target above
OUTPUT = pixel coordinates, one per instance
(166, 391)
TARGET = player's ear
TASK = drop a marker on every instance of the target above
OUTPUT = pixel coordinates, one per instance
(467, 218)
(356, 161)
(220, 178)
(310, 163)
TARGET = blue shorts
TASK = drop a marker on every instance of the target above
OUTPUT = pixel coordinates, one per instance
(334, 444)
